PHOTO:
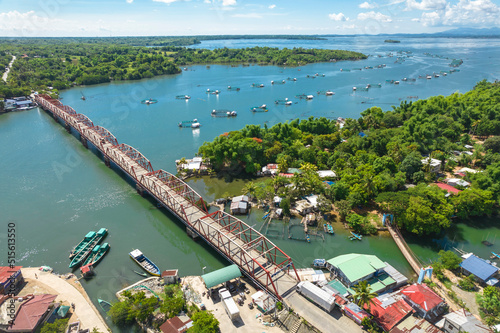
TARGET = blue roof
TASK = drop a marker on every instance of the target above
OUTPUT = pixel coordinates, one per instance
(478, 267)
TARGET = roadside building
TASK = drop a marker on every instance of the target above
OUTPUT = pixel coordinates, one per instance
(10, 279)
(170, 276)
(413, 324)
(18, 103)
(303, 207)
(177, 324)
(270, 169)
(353, 268)
(326, 174)
(469, 170)
(483, 270)
(450, 189)
(424, 301)
(457, 182)
(434, 164)
(32, 313)
(388, 310)
(462, 321)
(240, 205)
(356, 313)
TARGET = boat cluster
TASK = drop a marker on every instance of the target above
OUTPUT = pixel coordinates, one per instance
(88, 253)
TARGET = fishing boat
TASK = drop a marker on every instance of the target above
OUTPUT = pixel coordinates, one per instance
(92, 254)
(144, 262)
(141, 273)
(105, 306)
(355, 236)
(330, 229)
(495, 256)
(98, 254)
(82, 255)
(182, 97)
(308, 239)
(319, 263)
(87, 239)
(189, 123)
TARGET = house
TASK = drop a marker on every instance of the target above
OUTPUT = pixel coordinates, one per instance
(462, 321)
(32, 312)
(196, 164)
(18, 103)
(277, 201)
(353, 268)
(170, 276)
(10, 279)
(435, 165)
(424, 301)
(413, 324)
(457, 182)
(326, 174)
(303, 207)
(465, 170)
(270, 169)
(483, 270)
(177, 324)
(240, 205)
(312, 199)
(354, 312)
(450, 189)
(388, 310)
(469, 147)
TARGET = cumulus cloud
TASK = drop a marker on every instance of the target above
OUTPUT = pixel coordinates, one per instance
(464, 13)
(426, 4)
(367, 5)
(338, 17)
(228, 2)
(430, 18)
(376, 16)
(129, 1)
(272, 6)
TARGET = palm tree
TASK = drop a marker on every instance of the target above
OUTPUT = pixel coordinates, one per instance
(363, 294)
(249, 189)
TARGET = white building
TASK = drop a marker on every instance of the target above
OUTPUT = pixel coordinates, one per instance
(435, 165)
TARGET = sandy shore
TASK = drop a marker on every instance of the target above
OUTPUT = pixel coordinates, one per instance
(68, 291)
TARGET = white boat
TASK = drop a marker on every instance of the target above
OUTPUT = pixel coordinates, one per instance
(396, 82)
(354, 88)
(309, 97)
(329, 93)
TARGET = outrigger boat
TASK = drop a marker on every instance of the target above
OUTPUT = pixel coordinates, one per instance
(355, 236)
(82, 255)
(87, 239)
(144, 262)
(328, 228)
(141, 273)
(105, 306)
(262, 108)
(98, 252)
(495, 256)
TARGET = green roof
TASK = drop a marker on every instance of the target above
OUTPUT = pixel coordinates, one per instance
(337, 285)
(386, 279)
(221, 275)
(356, 266)
(63, 311)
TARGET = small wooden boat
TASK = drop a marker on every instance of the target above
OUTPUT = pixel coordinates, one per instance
(144, 262)
(141, 273)
(355, 236)
(82, 255)
(495, 256)
(92, 254)
(105, 306)
(87, 239)
(320, 263)
(97, 254)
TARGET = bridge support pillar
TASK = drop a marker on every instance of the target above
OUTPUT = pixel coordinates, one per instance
(106, 161)
(191, 233)
(141, 190)
(84, 142)
(67, 127)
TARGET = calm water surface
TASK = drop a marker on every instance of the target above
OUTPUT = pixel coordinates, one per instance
(56, 190)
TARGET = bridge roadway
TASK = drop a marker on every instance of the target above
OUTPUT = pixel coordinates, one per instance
(257, 257)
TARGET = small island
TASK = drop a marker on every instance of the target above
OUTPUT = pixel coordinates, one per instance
(392, 41)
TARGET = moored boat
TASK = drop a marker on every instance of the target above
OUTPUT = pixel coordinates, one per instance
(82, 255)
(92, 254)
(87, 239)
(355, 236)
(144, 262)
(105, 306)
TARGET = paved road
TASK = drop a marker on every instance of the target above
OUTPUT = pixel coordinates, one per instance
(4, 76)
(334, 322)
(89, 318)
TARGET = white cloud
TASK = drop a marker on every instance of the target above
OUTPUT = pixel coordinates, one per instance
(367, 5)
(249, 15)
(376, 16)
(472, 12)
(207, 1)
(426, 4)
(228, 2)
(129, 1)
(430, 18)
(338, 17)
(166, 1)
(415, 20)
(272, 6)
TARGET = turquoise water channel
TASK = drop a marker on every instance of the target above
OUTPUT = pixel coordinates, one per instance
(55, 190)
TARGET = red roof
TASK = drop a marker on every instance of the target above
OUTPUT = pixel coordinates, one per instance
(287, 175)
(423, 296)
(391, 315)
(447, 187)
(31, 312)
(174, 325)
(170, 272)
(6, 272)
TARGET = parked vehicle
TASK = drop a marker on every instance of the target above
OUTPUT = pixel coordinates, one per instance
(316, 295)
(229, 305)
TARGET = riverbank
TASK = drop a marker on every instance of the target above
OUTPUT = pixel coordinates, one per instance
(68, 290)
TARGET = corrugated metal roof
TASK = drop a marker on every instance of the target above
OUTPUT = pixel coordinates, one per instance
(478, 267)
(356, 266)
(221, 275)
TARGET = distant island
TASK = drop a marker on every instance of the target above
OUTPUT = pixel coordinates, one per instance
(392, 41)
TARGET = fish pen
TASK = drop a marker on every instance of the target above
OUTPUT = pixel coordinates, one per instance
(189, 123)
(301, 96)
(278, 82)
(149, 101)
(233, 88)
(182, 97)
(296, 232)
(262, 108)
(360, 88)
(345, 70)
(283, 102)
(326, 93)
(375, 85)
(223, 113)
(317, 234)
(257, 85)
(291, 79)
(275, 231)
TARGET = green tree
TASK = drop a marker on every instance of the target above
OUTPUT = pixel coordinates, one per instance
(343, 207)
(492, 144)
(285, 205)
(249, 189)
(473, 202)
(489, 305)
(172, 306)
(121, 314)
(449, 260)
(467, 283)
(324, 205)
(411, 164)
(363, 294)
(204, 322)
(58, 326)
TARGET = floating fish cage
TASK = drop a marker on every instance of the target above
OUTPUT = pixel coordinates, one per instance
(275, 231)
(360, 88)
(278, 82)
(223, 113)
(283, 102)
(375, 85)
(258, 85)
(149, 101)
(262, 108)
(189, 124)
(292, 79)
(327, 92)
(345, 70)
(182, 97)
(296, 232)
(301, 96)
(233, 88)
(356, 69)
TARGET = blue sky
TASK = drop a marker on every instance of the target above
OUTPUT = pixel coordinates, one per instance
(196, 17)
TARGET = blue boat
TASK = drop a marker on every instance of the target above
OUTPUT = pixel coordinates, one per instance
(494, 255)
(355, 236)
(144, 262)
(320, 263)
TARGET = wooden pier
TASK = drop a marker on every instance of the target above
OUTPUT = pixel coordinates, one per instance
(256, 256)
